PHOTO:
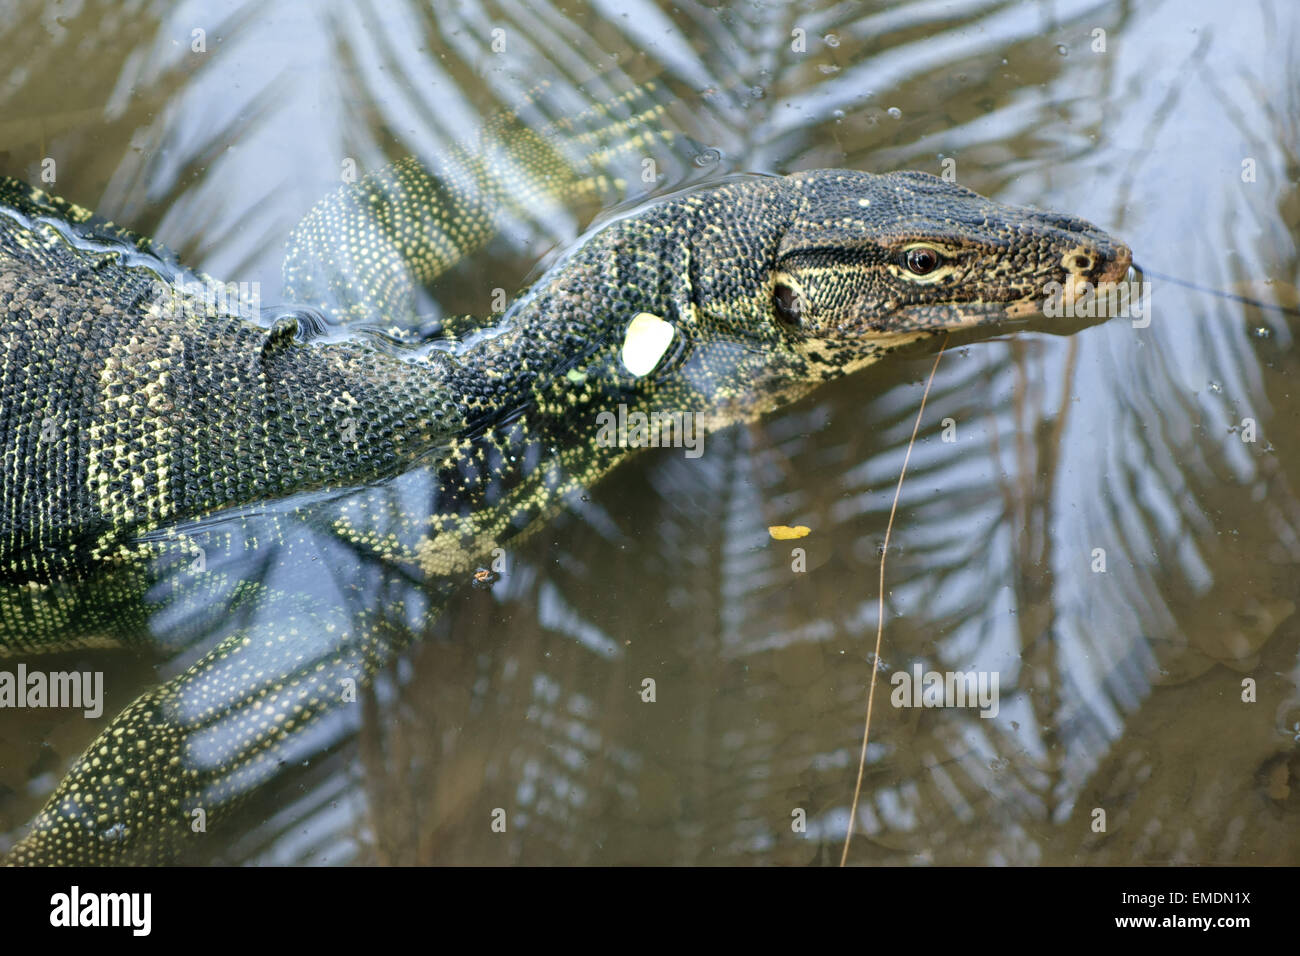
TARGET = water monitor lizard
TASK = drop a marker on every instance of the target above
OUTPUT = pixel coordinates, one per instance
(131, 426)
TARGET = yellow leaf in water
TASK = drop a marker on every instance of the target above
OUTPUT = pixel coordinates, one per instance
(783, 532)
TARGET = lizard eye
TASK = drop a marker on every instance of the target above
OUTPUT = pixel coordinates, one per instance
(921, 260)
(789, 309)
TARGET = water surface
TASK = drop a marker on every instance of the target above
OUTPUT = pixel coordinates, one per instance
(1173, 125)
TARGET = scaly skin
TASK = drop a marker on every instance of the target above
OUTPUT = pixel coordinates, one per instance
(770, 285)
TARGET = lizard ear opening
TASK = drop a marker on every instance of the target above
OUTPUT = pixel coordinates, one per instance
(788, 304)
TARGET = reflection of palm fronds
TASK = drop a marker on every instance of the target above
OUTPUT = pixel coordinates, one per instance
(762, 671)
(992, 566)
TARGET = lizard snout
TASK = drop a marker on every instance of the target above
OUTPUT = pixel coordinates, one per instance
(1114, 267)
(1102, 260)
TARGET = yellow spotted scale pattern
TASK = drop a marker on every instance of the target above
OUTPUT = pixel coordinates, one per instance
(363, 253)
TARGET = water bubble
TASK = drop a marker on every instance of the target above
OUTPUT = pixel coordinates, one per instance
(1062, 49)
(757, 92)
(895, 112)
(1215, 387)
(831, 39)
(709, 157)
(838, 115)
(1263, 332)
(828, 68)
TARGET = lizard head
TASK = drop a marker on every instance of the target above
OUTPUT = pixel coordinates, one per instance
(871, 262)
(741, 297)
(784, 282)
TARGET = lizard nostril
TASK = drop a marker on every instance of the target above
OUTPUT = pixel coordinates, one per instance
(1083, 263)
(1114, 265)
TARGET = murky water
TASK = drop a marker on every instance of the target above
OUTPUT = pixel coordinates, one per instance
(1112, 530)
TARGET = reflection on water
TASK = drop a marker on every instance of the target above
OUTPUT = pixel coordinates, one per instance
(1083, 516)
